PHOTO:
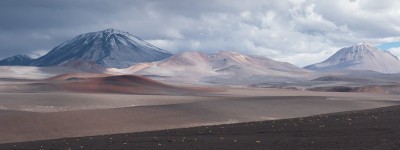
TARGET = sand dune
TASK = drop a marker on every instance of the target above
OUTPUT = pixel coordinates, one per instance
(67, 76)
(103, 83)
(119, 84)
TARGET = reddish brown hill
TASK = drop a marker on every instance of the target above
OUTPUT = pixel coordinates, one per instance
(70, 76)
(129, 84)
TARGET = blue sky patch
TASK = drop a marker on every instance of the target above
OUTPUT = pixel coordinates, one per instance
(386, 46)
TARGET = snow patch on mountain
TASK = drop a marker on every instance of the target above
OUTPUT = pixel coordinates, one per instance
(108, 48)
(362, 56)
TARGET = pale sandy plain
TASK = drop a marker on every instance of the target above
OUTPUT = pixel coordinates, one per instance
(36, 116)
(50, 114)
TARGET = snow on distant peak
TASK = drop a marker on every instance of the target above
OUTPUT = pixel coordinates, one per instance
(108, 48)
(364, 43)
(22, 56)
(361, 56)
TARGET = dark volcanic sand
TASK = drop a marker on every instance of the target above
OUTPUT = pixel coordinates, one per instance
(367, 129)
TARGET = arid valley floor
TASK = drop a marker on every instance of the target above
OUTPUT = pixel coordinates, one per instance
(199, 75)
(51, 109)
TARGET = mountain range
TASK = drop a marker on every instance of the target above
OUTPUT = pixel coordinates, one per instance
(223, 63)
(123, 52)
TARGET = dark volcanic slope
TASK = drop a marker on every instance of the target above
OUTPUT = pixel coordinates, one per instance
(368, 129)
(17, 60)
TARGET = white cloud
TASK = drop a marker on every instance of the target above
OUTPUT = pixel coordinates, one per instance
(38, 53)
(296, 31)
(310, 29)
(395, 51)
(304, 59)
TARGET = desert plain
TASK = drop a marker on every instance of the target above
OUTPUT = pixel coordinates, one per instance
(67, 106)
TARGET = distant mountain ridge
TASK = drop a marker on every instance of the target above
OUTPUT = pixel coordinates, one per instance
(17, 60)
(223, 63)
(112, 48)
(108, 48)
(362, 56)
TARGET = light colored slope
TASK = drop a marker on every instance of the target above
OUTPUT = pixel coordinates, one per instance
(55, 102)
(263, 65)
(196, 65)
(192, 64)
(29, 72)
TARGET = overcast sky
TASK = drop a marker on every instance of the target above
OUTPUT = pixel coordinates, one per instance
(297, 31)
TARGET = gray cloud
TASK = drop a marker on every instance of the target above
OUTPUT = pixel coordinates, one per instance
(289, 30)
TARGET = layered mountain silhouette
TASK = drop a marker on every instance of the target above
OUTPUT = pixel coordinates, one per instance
(362, 56)
(17, 60)
(117, 49)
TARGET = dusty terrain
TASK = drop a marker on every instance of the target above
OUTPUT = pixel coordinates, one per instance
(78, 105)
(366, 129)
(39, 116)
(101, 83)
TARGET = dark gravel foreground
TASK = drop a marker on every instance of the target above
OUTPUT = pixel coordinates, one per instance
(366, 129)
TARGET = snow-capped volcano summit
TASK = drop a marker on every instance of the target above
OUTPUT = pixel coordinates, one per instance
(362, 56)
(108, 48)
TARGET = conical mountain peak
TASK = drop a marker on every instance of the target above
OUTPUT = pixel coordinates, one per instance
(361, 56)
(113, 31)
(108, 48)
